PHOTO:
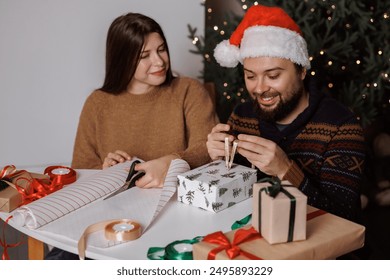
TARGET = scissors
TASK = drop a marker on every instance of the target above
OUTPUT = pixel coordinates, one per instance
(130, 180)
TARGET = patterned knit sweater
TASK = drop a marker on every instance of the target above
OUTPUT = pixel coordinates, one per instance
(166, 120)
(327, 147)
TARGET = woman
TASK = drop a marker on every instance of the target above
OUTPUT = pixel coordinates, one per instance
(142, 110)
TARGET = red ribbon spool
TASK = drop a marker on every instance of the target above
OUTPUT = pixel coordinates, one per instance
(61, 174)
(58, 175)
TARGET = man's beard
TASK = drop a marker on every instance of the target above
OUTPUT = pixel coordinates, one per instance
(282, 109)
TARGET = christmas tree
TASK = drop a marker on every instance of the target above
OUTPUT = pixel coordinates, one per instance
(348, 43)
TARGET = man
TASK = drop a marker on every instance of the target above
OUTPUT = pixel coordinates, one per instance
(288, 131)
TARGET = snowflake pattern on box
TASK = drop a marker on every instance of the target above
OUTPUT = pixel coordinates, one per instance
(214, 188)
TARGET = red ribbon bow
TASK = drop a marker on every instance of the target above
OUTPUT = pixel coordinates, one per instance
(37, 188)
(232, 249)
(33, 189)
(40, 188)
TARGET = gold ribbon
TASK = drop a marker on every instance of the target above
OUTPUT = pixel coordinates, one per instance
(229, 156)
(9, 172)
(114, 230)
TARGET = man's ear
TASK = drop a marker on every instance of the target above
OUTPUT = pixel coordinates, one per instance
(303, 73)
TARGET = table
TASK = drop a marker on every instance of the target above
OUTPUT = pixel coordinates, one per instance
(177, 221)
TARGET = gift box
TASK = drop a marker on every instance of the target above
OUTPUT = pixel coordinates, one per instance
(328, 237)
(10, 199)
(279, 211)
(19, 183)
(213, 187)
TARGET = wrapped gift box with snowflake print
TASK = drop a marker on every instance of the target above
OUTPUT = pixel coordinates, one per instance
(213, 187)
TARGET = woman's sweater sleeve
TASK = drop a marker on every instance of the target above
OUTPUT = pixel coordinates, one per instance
(200, 118)
(85, 154)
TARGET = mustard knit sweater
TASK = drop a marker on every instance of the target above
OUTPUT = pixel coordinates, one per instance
(166, 120)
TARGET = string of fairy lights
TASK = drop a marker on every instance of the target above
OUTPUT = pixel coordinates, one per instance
(384, 75)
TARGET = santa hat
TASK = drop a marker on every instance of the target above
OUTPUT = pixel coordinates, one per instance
(264, 31)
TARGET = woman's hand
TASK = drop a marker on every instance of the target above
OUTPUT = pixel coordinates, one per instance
(115, 158)
(155, 172)
(216, 141)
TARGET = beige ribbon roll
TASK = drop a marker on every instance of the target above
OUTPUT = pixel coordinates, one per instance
(229, 156)
(124, 230)
(114, 230)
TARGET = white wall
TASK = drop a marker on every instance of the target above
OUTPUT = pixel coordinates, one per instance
(52, 57)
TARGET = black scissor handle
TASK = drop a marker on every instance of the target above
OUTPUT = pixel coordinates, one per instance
(138, 175)
(132, 171)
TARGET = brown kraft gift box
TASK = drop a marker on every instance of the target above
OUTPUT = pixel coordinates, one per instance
(278, 215)
(10, 198)
(327, 237)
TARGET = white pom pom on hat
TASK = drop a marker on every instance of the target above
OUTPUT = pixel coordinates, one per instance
(264, 31)
(226, 54)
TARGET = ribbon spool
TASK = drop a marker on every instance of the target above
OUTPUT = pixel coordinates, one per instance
(229, 156)
(177, 250)
(61, 174)
(124, 230)
(114, 230)
(32, 186)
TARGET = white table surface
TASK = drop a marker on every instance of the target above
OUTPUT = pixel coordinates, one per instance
(177, 221)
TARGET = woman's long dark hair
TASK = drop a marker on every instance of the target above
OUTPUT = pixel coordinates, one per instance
(125, 40)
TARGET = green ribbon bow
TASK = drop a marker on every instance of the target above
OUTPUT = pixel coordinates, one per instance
(240, 223)
(170, 253)
(275, 188)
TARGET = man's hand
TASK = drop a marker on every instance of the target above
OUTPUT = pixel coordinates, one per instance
(216, 141)
(265, 154)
